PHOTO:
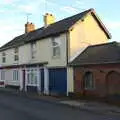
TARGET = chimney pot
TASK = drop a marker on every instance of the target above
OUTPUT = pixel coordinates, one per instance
(29, 27)
(48, 19)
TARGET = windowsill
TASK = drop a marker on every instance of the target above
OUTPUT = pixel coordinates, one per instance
(16, 62)
(56, 57)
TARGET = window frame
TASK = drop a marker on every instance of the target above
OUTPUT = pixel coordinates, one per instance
(56, 45)
(16, 54)
(15, 75)
(32, 77)
(33, 50)
(3, 57)
(89, 82)
(2, 74)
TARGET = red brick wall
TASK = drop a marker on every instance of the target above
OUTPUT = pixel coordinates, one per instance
(100, 73)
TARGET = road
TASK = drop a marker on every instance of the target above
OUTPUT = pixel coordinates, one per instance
(14, 107)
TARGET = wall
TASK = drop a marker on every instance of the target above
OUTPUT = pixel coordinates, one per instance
(45, 52)
(84, 33)
(9, 78)
(25, 54)
(9, 57)
(100, 73)
(70, 82)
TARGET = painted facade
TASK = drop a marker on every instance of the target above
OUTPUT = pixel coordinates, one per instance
(37, 65)
(83, 34)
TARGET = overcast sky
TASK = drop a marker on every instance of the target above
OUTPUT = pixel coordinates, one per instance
(13, 14)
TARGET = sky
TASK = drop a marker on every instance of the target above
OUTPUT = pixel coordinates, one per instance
(13, 14)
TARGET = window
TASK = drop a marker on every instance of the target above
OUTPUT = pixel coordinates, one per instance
(16, 56)
(88, 80)
(3, 57)
(2, 75)
(32, 77)
(56, 47)
(15, 75)
(33, 50)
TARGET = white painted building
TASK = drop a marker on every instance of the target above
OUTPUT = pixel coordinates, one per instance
(39, 59)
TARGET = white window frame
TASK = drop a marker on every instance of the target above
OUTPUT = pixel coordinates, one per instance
(56, 45)
(16, 54)
(15, 75)
(2, 75)
(3, 57)
(33, 50)
(32, 77)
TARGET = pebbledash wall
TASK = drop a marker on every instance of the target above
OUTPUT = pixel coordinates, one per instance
(106, 78)
(85, 32)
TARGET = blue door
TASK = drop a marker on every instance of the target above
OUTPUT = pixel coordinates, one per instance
(58, 81)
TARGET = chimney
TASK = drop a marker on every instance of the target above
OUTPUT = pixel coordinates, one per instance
(29, 27)
(48, 19)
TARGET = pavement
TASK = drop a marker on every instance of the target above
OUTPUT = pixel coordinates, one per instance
(90, 106)
(96, 107)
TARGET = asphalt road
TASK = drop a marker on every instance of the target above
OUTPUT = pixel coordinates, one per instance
(13, 107)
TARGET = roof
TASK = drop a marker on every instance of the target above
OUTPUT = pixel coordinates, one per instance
(99, 54)
(53, 29)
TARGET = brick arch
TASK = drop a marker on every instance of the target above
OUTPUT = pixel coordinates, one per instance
(113, 83)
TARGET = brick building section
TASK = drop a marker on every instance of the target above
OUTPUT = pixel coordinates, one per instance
(106, 80)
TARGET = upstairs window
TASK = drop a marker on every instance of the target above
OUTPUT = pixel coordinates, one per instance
(88, 80)
(16, 54)
(56, 47)
(33, 50)
(3, 57)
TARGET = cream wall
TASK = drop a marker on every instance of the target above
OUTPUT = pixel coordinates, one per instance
(70, 82)
(9, 57)
(9, 78)
(25, 54)
(44, 52)
(84, 33)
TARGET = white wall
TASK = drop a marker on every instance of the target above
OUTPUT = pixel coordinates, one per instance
(44, 53)
(9, 57)
(9, 78)
(25, 54)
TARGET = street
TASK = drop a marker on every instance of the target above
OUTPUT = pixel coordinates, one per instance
(15, 107)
